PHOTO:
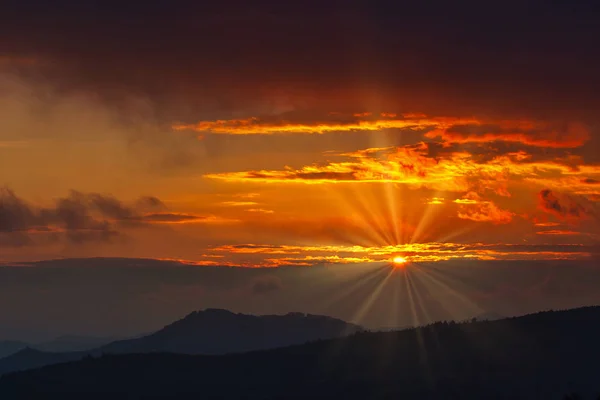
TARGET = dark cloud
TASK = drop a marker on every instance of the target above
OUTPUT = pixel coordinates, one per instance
(590, 181)
(150, 203)
(266, 284)
(14, 239)
(528, 133)
(78, 217)
(563, 206)
(168, 217)
(192, 56)
(15, 214)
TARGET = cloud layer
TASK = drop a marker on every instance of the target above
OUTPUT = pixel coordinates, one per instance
(78, 218)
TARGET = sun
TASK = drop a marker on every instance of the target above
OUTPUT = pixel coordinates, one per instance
(399, 261)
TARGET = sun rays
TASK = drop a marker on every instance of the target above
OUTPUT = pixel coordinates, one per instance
(421, 294)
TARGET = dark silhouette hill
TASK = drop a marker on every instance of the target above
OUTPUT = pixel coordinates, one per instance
(211, 331)
(538, 356)
(33, 358)
(215, 331)
(8, 347)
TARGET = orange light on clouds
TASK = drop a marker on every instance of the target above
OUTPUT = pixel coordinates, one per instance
(258, 126)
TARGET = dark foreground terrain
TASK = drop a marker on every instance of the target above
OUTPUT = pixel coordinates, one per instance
(207, 332)
(539, 356)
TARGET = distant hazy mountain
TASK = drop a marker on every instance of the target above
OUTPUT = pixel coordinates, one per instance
(8, 347)
(204, 332)
(73, 343)
(538, 356)
(66, 343)
(32, 358)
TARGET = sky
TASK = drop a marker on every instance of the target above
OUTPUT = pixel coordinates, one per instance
(218, 137)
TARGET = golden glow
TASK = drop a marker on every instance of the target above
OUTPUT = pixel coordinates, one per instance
(399, 260)
(377, 184)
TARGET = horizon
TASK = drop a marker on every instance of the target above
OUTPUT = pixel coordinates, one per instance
(373, 296)
(485, 317)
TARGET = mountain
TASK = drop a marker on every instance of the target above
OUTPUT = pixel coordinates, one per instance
(539, 356)
(210, 332)
(32, 358)
(215, 331)
(60, 344)
(8, 347)
(73, 343)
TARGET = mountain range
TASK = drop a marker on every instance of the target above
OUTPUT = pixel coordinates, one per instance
(60, 344)
(209, 332)
(539, 356)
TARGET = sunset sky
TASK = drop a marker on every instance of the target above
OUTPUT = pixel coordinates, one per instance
(300, 134)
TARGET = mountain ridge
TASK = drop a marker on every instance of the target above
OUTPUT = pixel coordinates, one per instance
(541, 355)
(209, 331)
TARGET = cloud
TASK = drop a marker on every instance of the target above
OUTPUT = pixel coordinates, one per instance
(473, 208)
(573, 181)
(260, 210)
(451, 63)
(168, 218)
(258, 126)
(436, 200)
(451, 130)
(590, 181)
(239, 203)
(78, 218)
(15, 214)
(294, 255)
(530, 133)
(150, 203)
(547, 224)
(266, 284)
(423, 166)
(563, 206)
(558, 232)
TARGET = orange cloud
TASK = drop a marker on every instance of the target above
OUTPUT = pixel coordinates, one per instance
(260, 210)
(169, 218)
(436, 200)
(415, 167)
(563, 206)
(451, 130)
(475, 209)
(547, 224)
(578, 183)
(263, 126)
(466, 201)
(525, 132)
(288, 255)
(239, 203)
(558, 232)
